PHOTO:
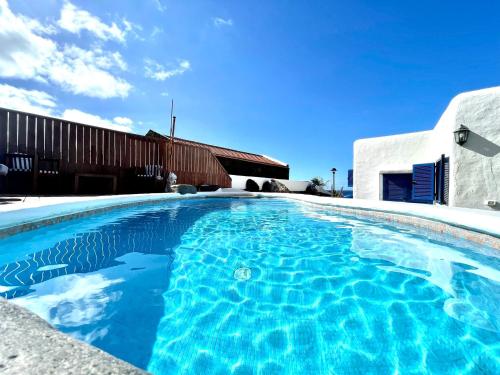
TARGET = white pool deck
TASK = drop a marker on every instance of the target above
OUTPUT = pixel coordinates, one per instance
(39, 209)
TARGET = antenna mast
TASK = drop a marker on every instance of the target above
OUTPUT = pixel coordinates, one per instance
(170, 142)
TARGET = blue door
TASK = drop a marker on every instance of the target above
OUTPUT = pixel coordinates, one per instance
(397, 187)
(423, 183)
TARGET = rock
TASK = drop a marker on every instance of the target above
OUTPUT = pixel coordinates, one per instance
(274, 186)
(268, 187)
(251, 185)
(312, 189)
(183, 189)
(281, 186)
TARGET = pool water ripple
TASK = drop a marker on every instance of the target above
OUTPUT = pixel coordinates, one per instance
(328, 294)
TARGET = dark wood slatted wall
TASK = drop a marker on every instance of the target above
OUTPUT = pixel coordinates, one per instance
(87, 149)
(196, 165)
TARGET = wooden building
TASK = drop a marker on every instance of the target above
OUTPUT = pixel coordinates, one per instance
(238, 162)
(48, 155)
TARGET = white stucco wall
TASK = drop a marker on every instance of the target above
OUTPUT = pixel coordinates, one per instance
(476, 171)
(397, 153)
(239, 182)
(474, 167)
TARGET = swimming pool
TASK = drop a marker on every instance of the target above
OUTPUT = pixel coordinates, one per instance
(264, 286)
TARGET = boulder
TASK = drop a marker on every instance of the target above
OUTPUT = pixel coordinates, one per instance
(274, 186)
(281, 187)
(183, 189)
(312, 189)
(251, 185)
(268, 187)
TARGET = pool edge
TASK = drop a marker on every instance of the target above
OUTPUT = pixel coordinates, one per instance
(30, 345)
(474, 234)
(435, 225)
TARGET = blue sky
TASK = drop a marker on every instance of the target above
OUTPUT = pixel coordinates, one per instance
(296, 80)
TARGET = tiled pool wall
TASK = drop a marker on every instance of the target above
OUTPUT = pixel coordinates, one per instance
(85, 212)
(432, 226)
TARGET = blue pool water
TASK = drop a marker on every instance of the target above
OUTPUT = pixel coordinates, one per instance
(261, 286)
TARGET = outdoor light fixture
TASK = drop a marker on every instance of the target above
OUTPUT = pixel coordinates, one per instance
(333, 170)
(461, 135)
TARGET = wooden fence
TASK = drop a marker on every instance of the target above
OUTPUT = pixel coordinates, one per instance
(93, 151)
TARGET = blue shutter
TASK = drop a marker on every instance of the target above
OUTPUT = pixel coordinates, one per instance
(349, 178)
(423, 183)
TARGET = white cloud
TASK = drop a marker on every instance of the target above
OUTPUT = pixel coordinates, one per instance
(26, 100)
(74, 20)
(37, 26)
(221, 22)
(73, 300)
(160, 6)
(42, 103)
(123, 121)
(123, 124)
(86, 72)
(27, 52)
(156, 31)
(161, 73)
(23, 51)
(164, 93)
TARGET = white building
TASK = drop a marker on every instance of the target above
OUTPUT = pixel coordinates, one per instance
(399, 167)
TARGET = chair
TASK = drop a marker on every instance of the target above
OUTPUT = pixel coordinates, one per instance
(19, 163)
(20, 166)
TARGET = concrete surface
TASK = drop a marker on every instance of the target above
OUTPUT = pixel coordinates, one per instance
(29, 345)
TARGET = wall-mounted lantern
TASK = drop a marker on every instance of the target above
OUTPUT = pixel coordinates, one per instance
(461, 135)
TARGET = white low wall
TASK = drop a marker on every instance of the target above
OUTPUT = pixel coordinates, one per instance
(239, 182)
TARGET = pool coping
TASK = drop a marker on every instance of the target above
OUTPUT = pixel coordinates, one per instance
(29, 345)
(479, 226)
(21, 219)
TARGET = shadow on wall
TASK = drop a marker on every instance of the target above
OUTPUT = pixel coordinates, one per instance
(481, 145)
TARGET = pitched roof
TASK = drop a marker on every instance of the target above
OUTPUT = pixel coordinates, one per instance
(226, 152)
